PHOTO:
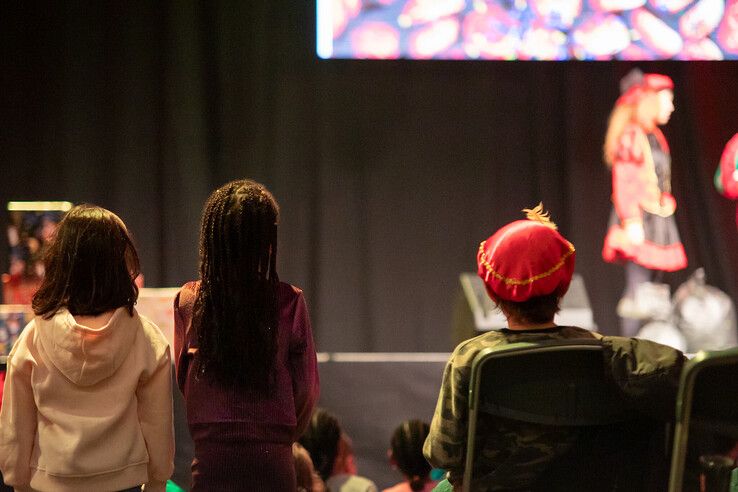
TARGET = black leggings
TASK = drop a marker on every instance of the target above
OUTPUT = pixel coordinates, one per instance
(635, 275)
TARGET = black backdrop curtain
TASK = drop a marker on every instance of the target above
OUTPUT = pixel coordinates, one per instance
(389, 173)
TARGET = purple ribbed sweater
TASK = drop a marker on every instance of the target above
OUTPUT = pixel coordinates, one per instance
(242, 437)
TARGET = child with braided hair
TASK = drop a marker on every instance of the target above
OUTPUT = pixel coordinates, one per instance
(244, 350)
(406, 454)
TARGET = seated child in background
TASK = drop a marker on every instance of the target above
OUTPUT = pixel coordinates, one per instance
(332, 454)
(406, 454)
(308, 479)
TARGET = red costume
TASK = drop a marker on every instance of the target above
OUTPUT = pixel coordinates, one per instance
(726, 176)
(641, 172)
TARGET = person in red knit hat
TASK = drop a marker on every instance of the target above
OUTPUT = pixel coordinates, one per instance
(642, 232)
(527, 267)
(539, 278)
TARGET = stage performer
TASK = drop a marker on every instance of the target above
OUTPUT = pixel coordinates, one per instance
(88, 396)
(245, 356)
(726, 175)
(642, 231)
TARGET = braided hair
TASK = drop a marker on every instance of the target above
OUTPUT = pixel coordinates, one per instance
(235, 313)
(407, 451)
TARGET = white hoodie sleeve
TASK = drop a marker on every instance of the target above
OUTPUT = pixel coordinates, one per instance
(155, 415)
(17, 418)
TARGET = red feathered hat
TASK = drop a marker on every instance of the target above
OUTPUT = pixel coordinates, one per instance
(636, 84)
(526, 258)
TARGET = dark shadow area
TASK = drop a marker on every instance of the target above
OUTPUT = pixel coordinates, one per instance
(389, 173)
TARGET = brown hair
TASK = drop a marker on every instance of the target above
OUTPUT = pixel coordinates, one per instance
(91, 265)
(643, 111)
(619, 117)
(407, 452)
(303, 468)
(321, 439)
(536, 310)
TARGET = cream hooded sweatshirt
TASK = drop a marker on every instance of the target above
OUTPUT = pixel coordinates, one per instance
(88, 409)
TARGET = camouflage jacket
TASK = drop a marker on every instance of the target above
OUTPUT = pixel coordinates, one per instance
(511, 455)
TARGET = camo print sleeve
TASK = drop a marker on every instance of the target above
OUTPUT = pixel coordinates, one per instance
(446, 444)
(647, 373)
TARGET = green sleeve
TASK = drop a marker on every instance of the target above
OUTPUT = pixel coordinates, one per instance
(445, 446)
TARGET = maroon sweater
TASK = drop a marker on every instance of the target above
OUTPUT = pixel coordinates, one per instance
(231, 427)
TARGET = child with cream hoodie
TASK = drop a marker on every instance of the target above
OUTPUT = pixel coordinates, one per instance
(88, 399)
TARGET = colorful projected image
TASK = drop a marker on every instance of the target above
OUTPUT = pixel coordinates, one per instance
(528, 29)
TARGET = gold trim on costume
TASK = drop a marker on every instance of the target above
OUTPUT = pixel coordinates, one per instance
(526, 281)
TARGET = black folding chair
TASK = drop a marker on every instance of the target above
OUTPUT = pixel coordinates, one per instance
(707, 403)
(558, 383)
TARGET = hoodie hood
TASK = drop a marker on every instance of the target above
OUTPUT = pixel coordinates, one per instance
(84, 355)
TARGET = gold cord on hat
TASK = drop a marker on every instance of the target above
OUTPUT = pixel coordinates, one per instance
(521, 281)
(537, 214)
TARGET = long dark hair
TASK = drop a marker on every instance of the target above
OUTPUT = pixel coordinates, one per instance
(235, 313)
(91, 264)
(321, 439)
(407, 451)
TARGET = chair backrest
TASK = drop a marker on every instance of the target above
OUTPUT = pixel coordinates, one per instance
(562, 383)
(707, 401)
